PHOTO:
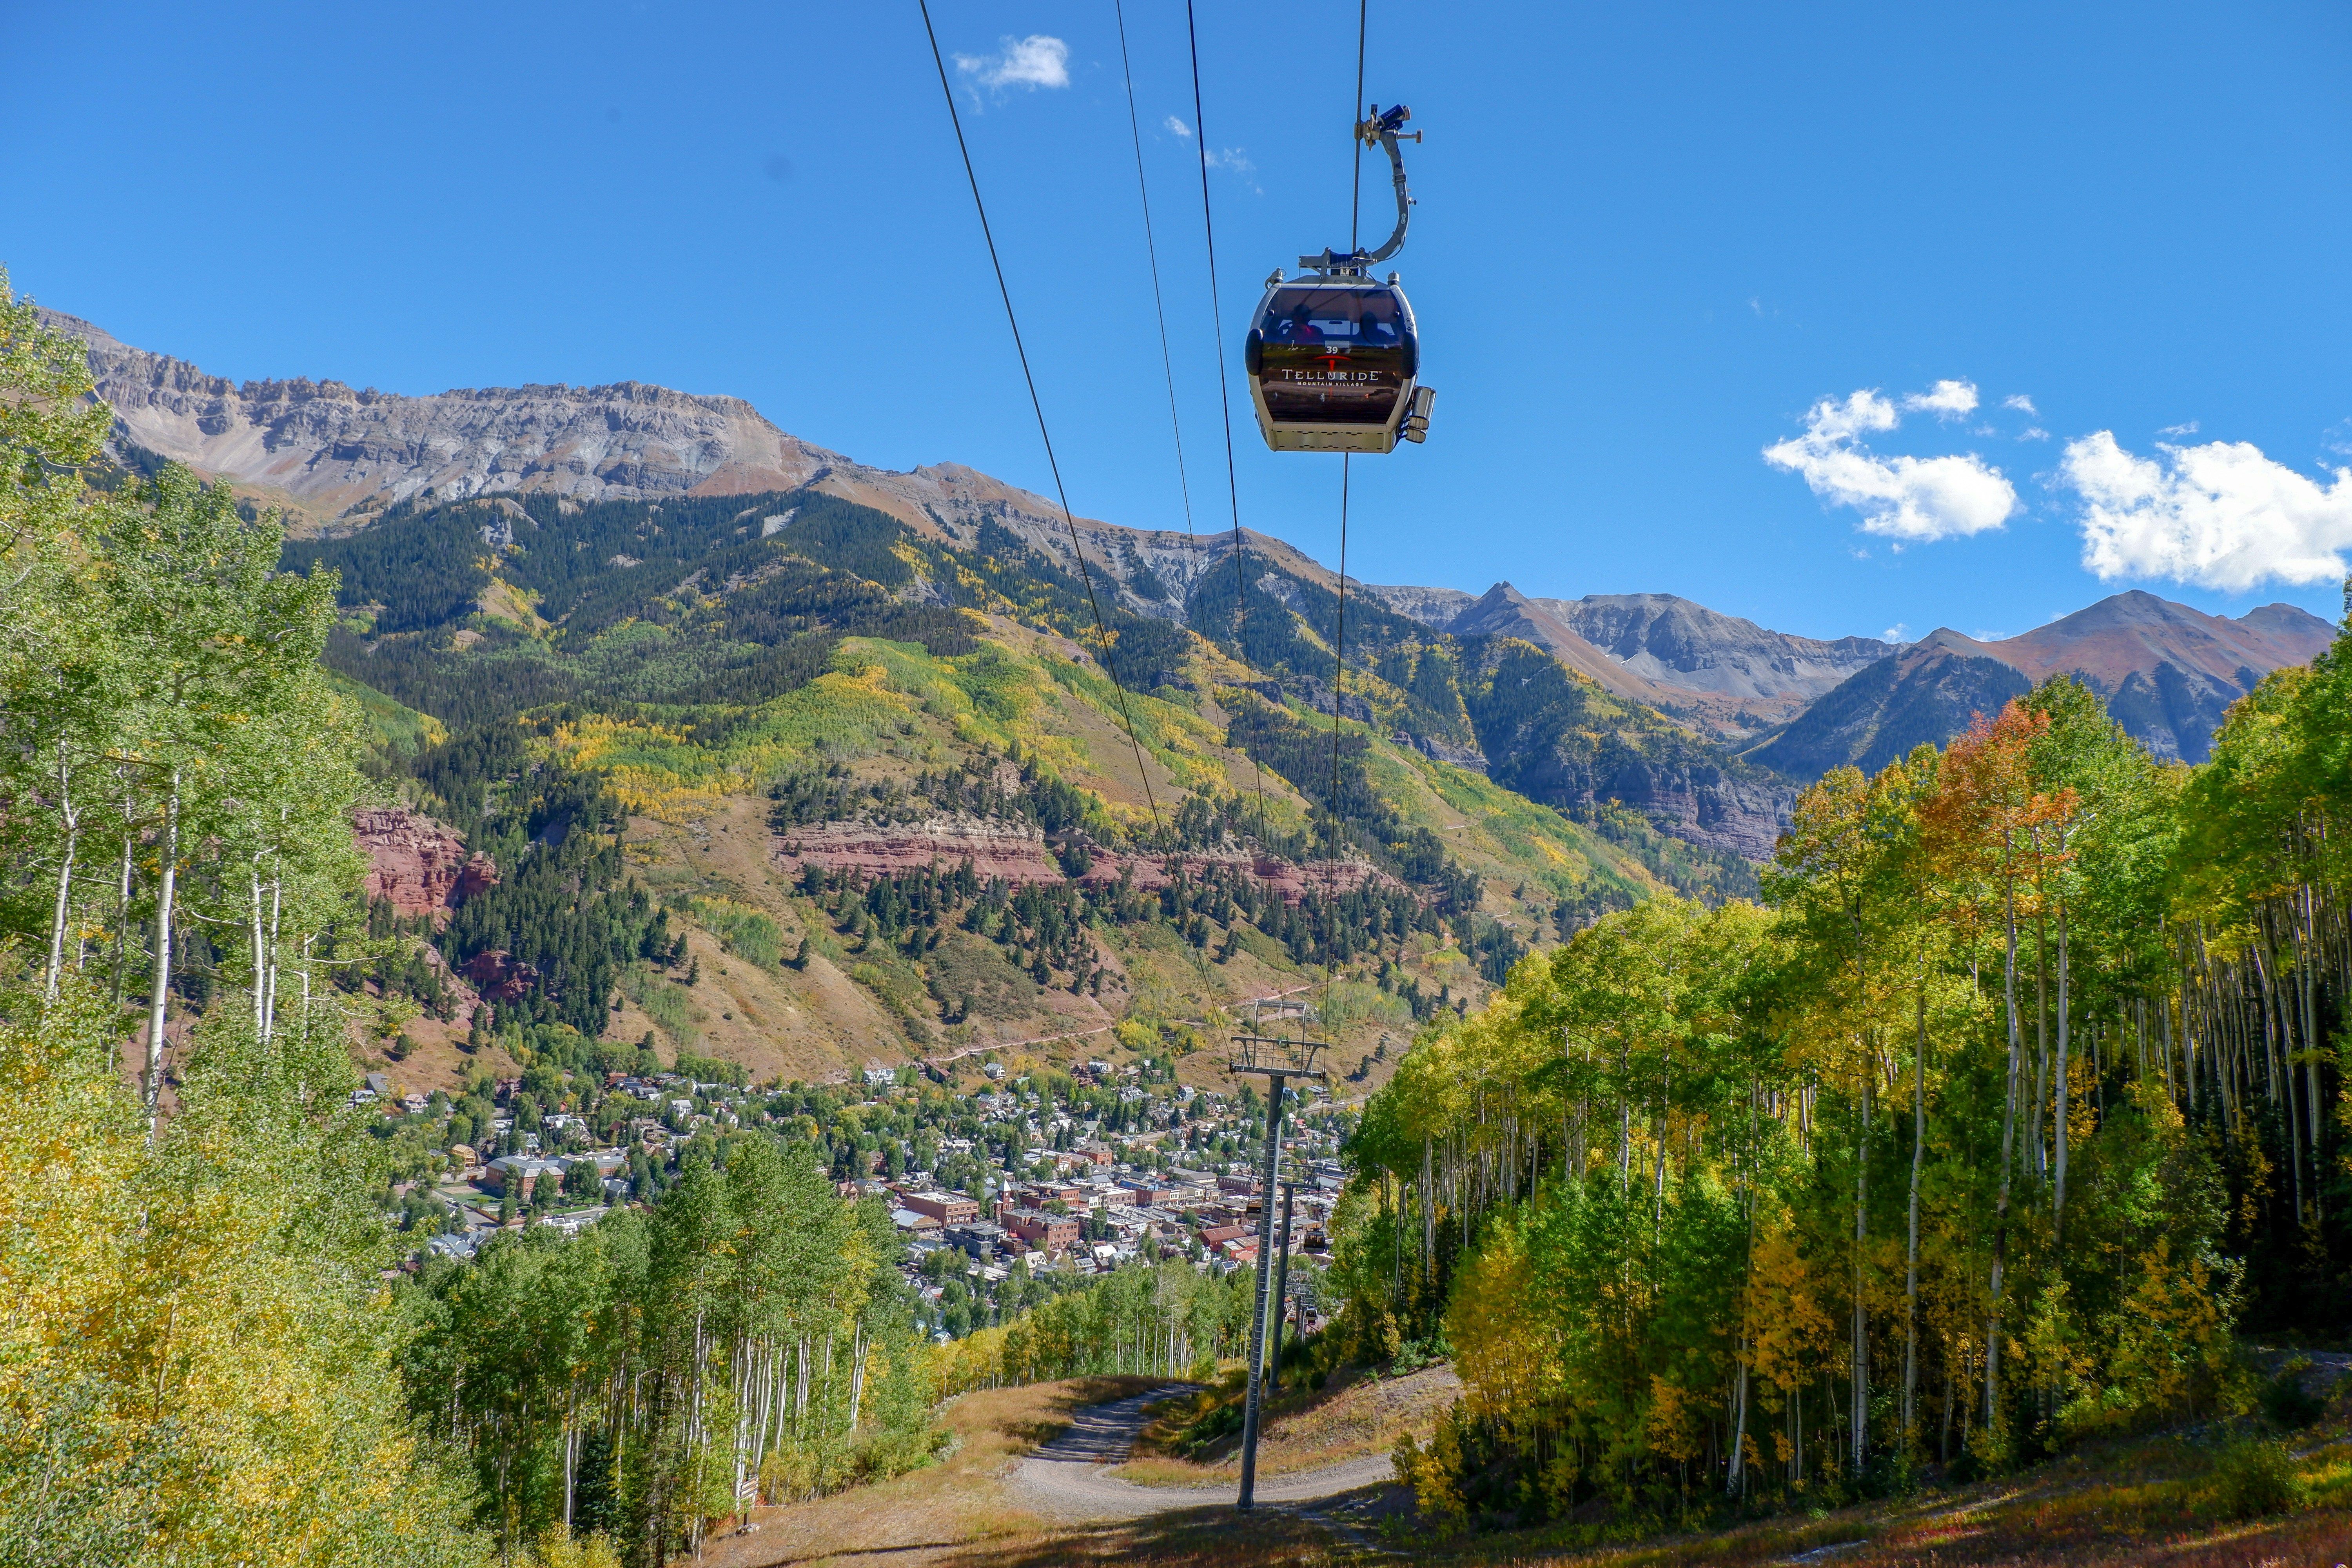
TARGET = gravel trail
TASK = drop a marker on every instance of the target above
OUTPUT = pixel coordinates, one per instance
(1069, 1476)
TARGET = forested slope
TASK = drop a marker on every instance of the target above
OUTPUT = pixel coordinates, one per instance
(2017, 1100)
(650, 670)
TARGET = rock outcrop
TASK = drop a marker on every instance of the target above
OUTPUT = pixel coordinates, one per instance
(1504, 612)
(498, 977)
(1020, 854)
(417, 866)
(1678, 643)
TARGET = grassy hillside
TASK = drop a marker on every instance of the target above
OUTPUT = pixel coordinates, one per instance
(702, 680)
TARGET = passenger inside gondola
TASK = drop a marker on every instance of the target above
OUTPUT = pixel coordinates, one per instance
(1300, 329)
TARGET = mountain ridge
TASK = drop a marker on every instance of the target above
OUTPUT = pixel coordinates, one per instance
(2167, 672)
(1725, 672)
(340, 458)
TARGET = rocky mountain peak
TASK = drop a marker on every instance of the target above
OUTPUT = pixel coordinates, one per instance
(2166, 671)
(1679, 642)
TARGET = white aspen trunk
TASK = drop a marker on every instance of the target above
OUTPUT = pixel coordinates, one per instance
(2277, 1060)
(2164, 1041)
(276, 912)
(694, 1411)
(1740, 1422)
(161, 992)
(1911, 1247)
(72, 815)
(2058, 1189)
(253, 934)
(2039, 1152)
(767, 1398)
(2305, 957)
(2008, 1143)
(570, 1451)
(1861, 1422)
(743, 1411)
(1428, 1213)
(1748, 1280)
(857, 1379)
(122, 900)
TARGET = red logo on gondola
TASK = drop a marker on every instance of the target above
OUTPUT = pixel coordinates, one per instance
(1335, 359)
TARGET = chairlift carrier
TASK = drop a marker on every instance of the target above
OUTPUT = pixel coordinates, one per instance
(1334, 355)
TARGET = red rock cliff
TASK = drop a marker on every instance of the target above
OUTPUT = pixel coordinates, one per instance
(418, 865)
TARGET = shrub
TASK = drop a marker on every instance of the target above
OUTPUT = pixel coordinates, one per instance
(1430, 1472)
(2252, 1476)
(665, 1004)
(747, 933)
(2285, 1401)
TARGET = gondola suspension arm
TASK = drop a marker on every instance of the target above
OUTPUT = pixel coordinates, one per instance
(1383, 130)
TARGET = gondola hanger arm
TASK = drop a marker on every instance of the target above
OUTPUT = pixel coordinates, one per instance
(1382, 129)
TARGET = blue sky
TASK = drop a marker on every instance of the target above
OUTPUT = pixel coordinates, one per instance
(1652, 244)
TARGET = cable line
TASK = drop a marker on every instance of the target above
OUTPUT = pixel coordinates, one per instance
(1355, 141)
(1085, 574)
(1224, 397)
(1160, 309)
(1339, 649)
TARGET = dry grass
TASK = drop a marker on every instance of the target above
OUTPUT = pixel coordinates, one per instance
(1198, 1538)
(2147, 1502)
(956, 1506)
(2109, 1505)
(812, 1024)
(1351, 1417)
(956, 1514)
(2310, 1541)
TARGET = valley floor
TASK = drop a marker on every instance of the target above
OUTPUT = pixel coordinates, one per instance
(1036, 1479)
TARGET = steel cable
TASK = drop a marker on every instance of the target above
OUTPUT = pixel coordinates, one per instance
(1085, 574)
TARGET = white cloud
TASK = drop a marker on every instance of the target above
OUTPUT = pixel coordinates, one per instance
(1177, 127)
(1919, 500)
(2034, 433)
(1232, 159)
(2021, 403)
(1946, 400)
(1895, 633)
(2188, 429)
(1032, 62)
(1866, 410)
(2222, 515)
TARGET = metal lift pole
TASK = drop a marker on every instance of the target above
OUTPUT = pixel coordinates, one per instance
(1275, 1061)
(1281, 1284)
(1264, 1264)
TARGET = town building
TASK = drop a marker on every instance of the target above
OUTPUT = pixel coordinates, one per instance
(947, 1208)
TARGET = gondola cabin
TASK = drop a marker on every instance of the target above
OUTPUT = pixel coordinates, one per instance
(1332, 363)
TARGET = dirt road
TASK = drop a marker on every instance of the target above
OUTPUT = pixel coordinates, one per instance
(1068, 1478)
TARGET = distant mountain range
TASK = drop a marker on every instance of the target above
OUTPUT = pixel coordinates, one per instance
(2167, 673)
(339, 458)
(1725, 673)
